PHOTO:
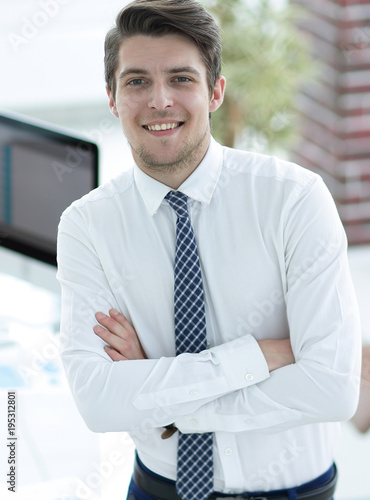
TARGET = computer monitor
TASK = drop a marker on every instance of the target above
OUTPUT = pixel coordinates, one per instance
(43, 169)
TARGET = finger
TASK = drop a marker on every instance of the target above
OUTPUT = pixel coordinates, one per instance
(111, 324)
(110, 338)
(122, 320)
(119, 334)
(113, 354)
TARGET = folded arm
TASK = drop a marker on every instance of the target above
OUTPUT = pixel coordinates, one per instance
(109, 395)
(228, 386)
(123, 343)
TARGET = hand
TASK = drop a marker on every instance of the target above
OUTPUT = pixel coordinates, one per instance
(123, 341)
(278, 353)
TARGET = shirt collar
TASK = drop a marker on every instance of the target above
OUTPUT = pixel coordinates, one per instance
(200, 185)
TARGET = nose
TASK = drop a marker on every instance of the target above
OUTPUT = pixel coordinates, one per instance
(160, 97)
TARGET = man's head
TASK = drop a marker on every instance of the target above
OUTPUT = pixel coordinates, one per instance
(163, 64)
(156, 18)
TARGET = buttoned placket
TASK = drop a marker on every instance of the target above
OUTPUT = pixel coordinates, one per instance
(230, 462)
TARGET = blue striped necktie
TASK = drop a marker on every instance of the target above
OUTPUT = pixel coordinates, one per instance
(195, 451)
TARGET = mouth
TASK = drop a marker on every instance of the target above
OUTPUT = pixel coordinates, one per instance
(158, 127)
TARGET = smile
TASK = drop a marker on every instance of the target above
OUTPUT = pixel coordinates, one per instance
(162, 126)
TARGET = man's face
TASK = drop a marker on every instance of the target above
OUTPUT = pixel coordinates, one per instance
(163, 101)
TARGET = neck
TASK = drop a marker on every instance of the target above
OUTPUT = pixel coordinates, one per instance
(172, 179)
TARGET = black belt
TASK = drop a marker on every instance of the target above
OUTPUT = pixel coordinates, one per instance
(166, 490)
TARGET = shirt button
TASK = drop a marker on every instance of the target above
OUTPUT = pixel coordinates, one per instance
(194, 423)
(249, 421)
(208, 344)
(193, 392)
(228, 452)
(249, 377)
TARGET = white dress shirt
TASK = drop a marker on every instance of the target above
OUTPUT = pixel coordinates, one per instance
(274, 264)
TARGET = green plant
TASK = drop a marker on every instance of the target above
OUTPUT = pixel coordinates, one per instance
(265, 61)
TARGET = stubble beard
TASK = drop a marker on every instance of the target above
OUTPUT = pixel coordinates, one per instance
(188, 156)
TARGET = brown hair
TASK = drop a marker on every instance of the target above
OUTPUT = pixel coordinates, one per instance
(162, 17)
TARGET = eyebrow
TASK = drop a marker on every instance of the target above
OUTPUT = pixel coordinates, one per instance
(171, 71)
(132, 71)
(184, 69)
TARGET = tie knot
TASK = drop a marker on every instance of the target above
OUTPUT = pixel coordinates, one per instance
(179, 203)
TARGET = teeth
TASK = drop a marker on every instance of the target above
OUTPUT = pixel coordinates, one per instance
(164, 126)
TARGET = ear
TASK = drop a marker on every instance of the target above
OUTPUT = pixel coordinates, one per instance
(112, 105)
(218, 94)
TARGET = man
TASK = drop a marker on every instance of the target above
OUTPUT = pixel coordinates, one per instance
(281, 354)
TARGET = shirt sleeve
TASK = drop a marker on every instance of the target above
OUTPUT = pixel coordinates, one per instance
(121, 396)
(323, 384)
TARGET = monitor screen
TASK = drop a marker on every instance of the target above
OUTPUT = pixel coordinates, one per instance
(43, 169)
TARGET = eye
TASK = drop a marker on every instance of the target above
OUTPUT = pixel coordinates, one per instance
(182, 79)
(136, 81)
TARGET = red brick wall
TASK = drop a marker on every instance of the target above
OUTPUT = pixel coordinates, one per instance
(335, 112)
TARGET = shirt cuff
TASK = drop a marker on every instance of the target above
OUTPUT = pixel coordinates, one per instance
(242, 361)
